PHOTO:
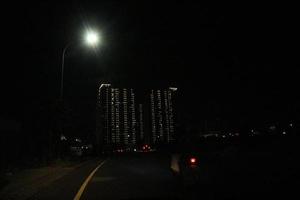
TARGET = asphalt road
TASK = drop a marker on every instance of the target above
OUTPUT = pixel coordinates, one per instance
(143, 176)
(138, 176)
(67, 186)
(147, 176)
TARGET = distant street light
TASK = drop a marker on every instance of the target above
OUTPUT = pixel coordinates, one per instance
(92, 39)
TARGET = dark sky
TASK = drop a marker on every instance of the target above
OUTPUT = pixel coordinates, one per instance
(229, 61)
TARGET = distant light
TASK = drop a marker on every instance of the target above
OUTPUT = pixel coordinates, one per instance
(283, 133)
(92, 38)
(62, 137)
(134, 149)
(272, 128)
(223, 136)
(193, 160)
(252, 131)
(77, 140)
(128, 135)
(104, 85)
(291, 125)
(173, 88)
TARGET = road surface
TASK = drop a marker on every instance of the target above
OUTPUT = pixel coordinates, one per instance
(144, 176)
(138, 176)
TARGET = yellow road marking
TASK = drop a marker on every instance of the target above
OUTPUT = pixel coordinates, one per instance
(83, 186)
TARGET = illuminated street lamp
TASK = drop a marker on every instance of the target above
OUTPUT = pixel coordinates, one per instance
(92, 39)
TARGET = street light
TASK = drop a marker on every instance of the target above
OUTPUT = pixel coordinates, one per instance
(92, 39)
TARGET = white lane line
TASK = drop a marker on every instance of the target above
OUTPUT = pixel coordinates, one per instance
(83, 186)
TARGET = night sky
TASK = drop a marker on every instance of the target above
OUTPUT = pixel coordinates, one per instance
(235, 62)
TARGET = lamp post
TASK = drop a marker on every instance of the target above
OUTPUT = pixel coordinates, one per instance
(62, 71)
(91, 39)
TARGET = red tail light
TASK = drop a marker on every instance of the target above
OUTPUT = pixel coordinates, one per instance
(193, 160)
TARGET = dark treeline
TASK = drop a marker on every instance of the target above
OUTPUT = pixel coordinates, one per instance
(34, 138)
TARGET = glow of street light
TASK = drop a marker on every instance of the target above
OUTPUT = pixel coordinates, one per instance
(92, 38)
